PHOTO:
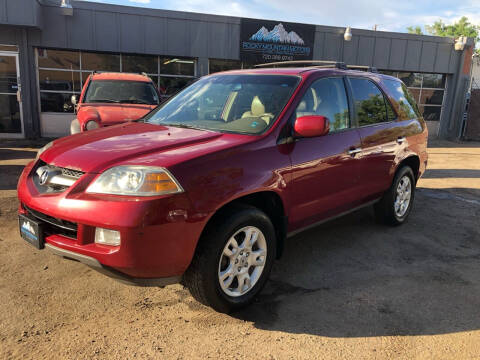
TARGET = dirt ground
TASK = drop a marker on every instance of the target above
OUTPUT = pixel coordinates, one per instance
(350, 289)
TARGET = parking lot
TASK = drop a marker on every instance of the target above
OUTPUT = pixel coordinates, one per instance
(348, 289)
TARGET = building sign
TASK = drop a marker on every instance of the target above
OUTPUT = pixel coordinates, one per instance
(264, 41)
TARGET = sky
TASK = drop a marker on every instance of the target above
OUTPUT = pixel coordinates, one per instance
(363, 14)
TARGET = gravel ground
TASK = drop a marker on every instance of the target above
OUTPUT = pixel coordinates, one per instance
(347, 289)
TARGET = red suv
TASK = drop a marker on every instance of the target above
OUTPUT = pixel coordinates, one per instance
(206, 188)
(112, 98)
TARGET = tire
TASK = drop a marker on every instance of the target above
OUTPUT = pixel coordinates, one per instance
(210, 261)
(386, 211)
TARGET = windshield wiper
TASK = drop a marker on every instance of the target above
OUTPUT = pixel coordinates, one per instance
(103, 101)
(184, 126)
(136, 101)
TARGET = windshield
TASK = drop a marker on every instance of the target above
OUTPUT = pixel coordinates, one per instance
(246, 104)
(117, 91)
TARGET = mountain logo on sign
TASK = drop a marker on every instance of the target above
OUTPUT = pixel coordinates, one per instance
(278, 35)
(29, 228)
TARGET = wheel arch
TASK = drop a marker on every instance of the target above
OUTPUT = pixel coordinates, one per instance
(267, 201)
(413, 161)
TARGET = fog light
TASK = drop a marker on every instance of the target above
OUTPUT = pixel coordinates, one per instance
(107, 237)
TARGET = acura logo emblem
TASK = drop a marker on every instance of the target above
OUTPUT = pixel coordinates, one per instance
(43, 177)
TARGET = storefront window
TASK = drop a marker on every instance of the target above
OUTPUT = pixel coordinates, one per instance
(62, 74)
(434, 81)
(431, 97)
(177, 66)
(431, 113)
(139, 64)
(8, 48)
(215, 65)
(100, 62)
(56, 102)
(59, 80)
(58, 59)
(411, 79)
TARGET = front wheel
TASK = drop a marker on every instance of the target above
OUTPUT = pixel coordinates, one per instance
(233, 259)
(396, 203)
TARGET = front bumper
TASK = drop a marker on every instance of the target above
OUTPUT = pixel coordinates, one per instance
(158, 235)
(95, 264)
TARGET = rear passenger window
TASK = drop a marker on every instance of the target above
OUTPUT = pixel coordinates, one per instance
(326, 97)
(370, 104)
(402, 100)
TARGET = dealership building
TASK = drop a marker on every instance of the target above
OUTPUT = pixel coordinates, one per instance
(48, 48)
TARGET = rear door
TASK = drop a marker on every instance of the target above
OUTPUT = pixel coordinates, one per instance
(381, 136)
(325, 171)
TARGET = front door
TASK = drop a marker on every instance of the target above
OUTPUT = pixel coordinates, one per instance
(11, 124)
(325, 169)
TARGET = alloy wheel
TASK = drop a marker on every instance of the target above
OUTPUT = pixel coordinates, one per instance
(242, 261)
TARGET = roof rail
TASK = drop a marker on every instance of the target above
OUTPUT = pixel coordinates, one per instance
(336, 64)
(367, 68)
(322, 64)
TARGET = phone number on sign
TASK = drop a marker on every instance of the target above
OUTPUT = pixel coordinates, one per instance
(277, 57)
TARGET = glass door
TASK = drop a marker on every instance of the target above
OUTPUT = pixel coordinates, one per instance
(11, 124)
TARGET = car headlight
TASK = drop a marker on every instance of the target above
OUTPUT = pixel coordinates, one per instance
(135, 181)
(91, 125)
(43, 149)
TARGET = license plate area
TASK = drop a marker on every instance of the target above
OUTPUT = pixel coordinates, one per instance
(31, 231)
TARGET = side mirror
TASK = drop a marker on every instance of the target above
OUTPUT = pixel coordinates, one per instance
(74, 99)
(311, 126)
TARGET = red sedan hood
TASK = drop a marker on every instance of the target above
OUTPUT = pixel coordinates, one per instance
(111, 114)
(93, 151)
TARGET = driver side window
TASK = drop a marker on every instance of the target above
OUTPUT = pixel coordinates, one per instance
(326, 97)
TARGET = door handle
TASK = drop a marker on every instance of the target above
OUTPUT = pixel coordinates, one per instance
(354, 151)
(401, 139)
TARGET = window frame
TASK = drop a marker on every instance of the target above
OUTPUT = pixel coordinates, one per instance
(385, 98)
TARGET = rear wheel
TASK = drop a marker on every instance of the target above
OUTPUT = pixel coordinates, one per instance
(233, 259)
(397, 202)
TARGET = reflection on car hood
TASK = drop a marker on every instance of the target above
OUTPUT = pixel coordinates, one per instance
(94, 151)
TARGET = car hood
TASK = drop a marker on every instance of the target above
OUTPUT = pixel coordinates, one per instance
(111, 114)
(94, 151)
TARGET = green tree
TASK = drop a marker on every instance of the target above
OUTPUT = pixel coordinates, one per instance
(462, 27)
(415, 30)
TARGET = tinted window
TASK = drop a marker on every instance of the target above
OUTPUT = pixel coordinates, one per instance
(402, 100)
(326, 97)
(369, 102)
(115, 91)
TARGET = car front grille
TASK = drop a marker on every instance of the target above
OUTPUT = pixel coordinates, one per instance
(54, 226)
(53, 179)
